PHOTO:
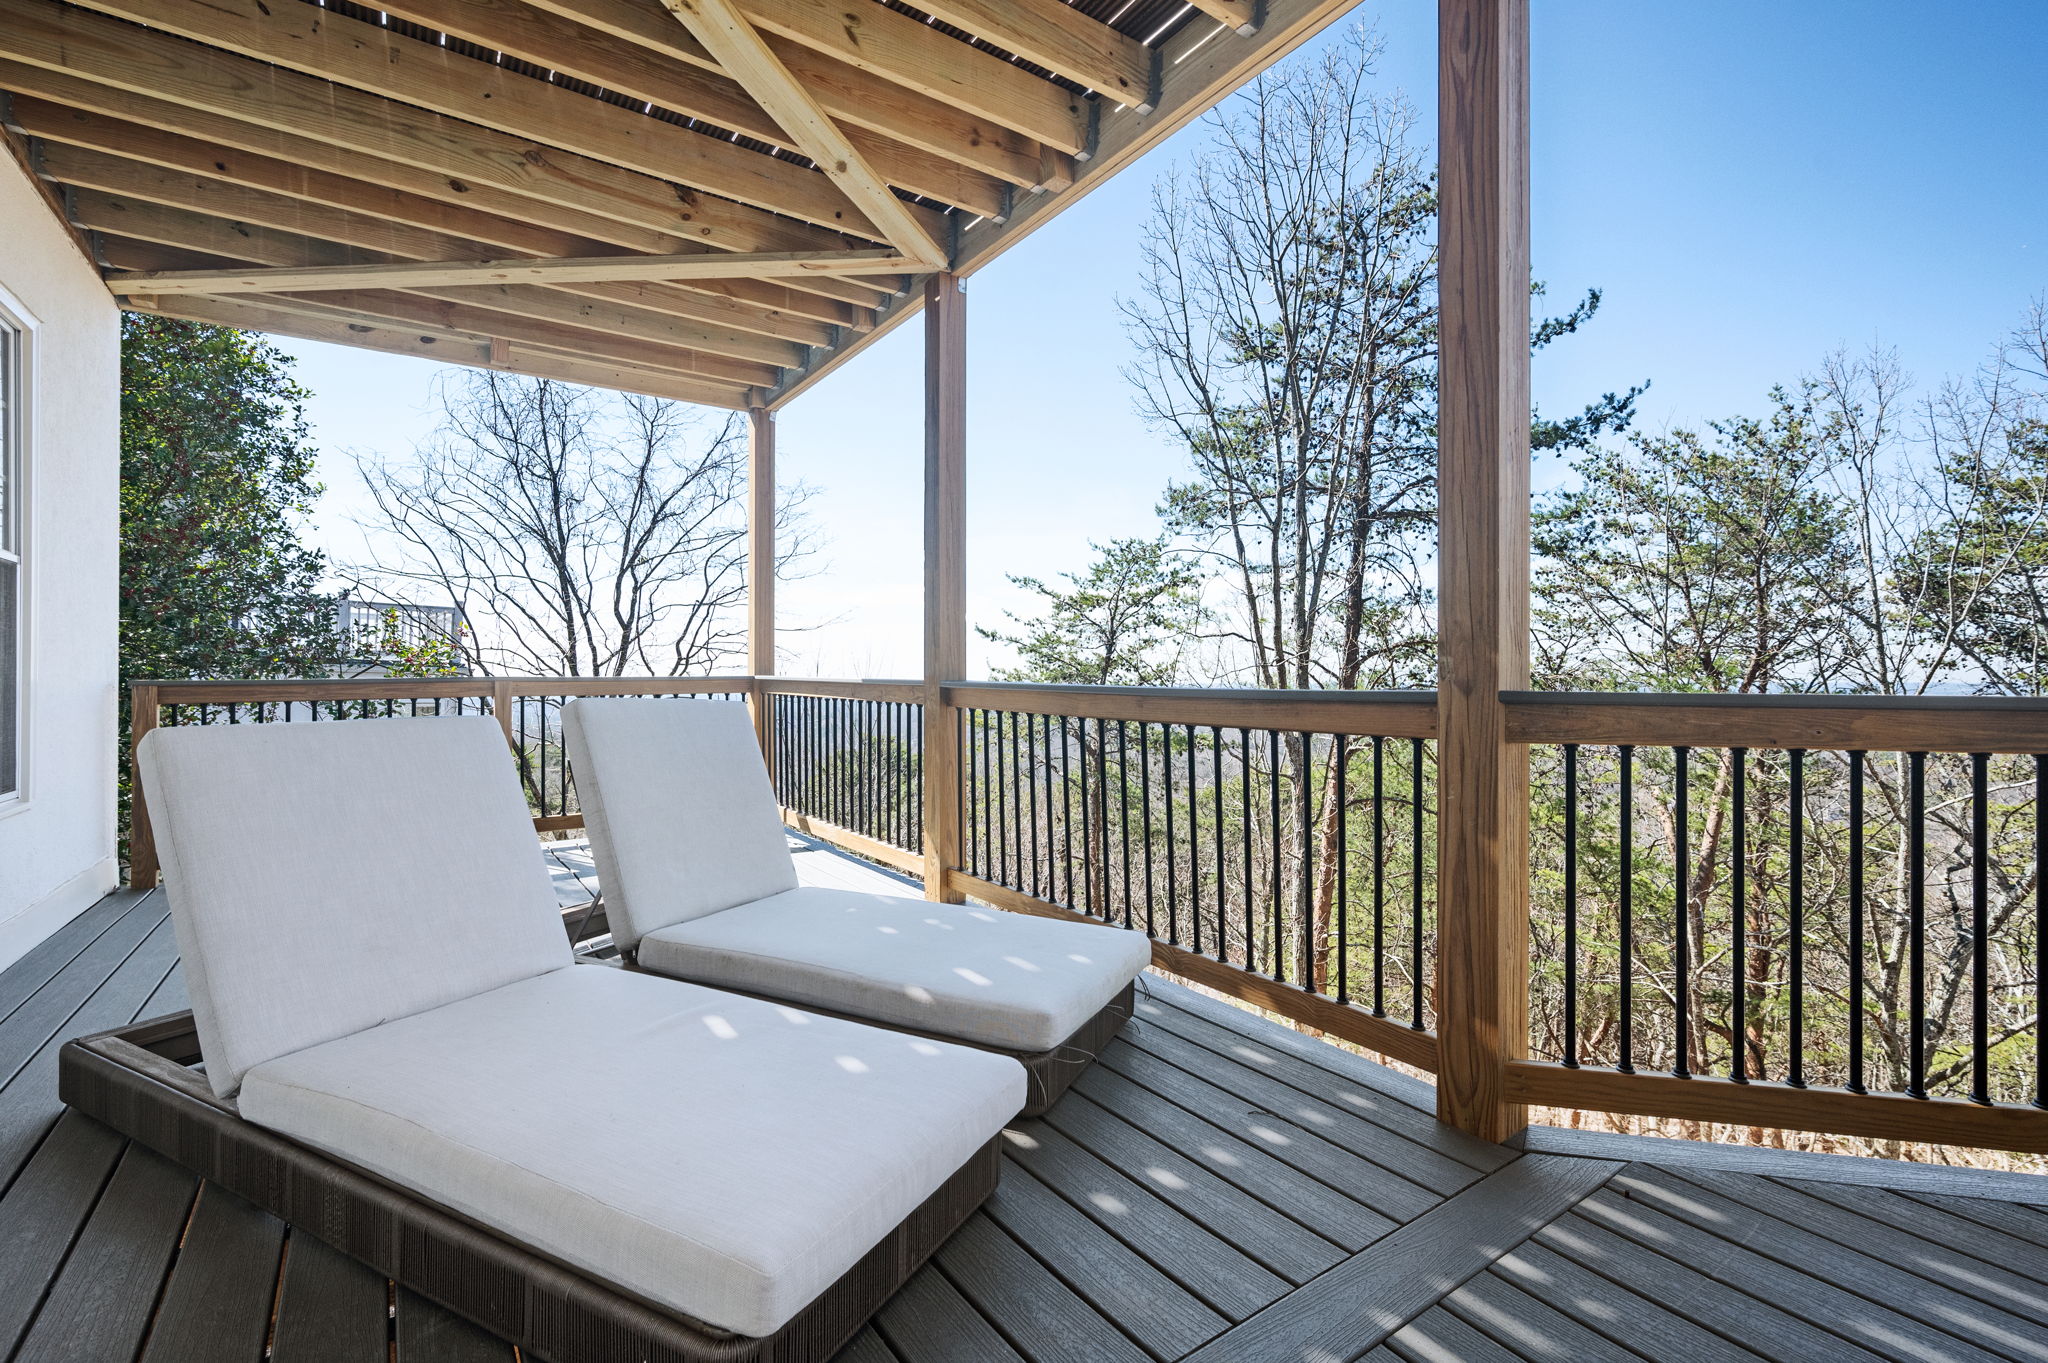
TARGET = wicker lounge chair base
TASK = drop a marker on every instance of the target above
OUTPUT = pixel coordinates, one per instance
(140, 1081)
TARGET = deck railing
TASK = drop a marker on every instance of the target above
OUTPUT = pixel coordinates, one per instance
(1819, 913)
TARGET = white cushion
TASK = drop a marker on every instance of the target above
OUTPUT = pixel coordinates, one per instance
(981, 975)
(677, 803)
(726, 1158)
(325, 878)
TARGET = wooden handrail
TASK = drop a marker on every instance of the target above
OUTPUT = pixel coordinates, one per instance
(431, 688)
(900, 692)
(1389, 714)
(1997, 724)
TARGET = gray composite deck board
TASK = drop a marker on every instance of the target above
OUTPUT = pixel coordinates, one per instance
(1686, 1291)
(330, 1309)
(1217, 1188)
(223, 1284)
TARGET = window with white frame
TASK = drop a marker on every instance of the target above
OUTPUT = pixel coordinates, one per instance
(13, 529)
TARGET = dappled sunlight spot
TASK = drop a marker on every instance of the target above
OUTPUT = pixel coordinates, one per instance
(1166, 1178)
(887, 929)
(1221, 1156)
(719, 1027)
(795, 1016)
(972, 976)
(1079, 959)
(1270, 1135)
(851, 1064)
(1252, 1054)
(926, 1048)
(1103, 1202)
(977, 913)
(1020, 1140)
(917, 993)
(939, 923)
(1508, 1327)
(1023, 964)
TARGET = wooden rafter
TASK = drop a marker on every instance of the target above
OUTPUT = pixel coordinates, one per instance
(747, 59)
(573, 48)
(69, 109)
(849, 93)
(452, 347)
(1242, 15)
(897, 47)
(1055, 35)
(378, 61)
(91, 47)
(545, 270)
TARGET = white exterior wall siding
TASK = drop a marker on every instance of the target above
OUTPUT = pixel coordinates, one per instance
(57, 848)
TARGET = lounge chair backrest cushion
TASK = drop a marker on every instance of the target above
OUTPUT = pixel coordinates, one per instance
(680, 814)
(325, 878)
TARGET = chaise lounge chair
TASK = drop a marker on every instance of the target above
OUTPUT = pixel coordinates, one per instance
(400, 1058)
(699, 884)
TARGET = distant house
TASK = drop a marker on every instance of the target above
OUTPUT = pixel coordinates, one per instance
(371, 628)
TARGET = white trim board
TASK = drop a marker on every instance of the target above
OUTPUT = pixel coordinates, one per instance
(25, 931)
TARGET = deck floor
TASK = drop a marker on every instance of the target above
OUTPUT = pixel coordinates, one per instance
(1218, 1188)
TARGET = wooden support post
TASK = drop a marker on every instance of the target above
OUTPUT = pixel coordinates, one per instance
(761, 572)
(1483, 482)
(945, 571)
(142, 863)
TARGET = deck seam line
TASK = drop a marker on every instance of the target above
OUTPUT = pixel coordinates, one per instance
(1403, 1252)
(83, 947)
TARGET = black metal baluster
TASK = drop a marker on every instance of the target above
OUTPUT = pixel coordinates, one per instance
(1014, 795)
(1273, 823)
(1244, 790)
(1031, 755)
(1091, 902)
(1796, 962)
(1415, 871)
(1856, 926)
(1980, 928)
(1172, 859)
(1304, 886)
(1145, 806)
(2041, 931)
(1681, 945)
(1625, 1037)
(1571, 905)
(1123, 808)
(1222, 862)
(1066, 812)
(1916, 923)
(1340, 753)
(1379, 866)
(1738, 894)
(1194, 852)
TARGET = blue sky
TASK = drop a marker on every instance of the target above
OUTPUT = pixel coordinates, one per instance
(1752, 184)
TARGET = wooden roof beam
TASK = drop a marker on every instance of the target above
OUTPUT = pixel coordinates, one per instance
(322, 43)
(746, 57)
(587, 306)
(849, 93)
(545, 270)
(1241, 15)
(1060, 38)
(449, 347)
(890, 44)
(458, 155)
(573, 48)
(202, 140)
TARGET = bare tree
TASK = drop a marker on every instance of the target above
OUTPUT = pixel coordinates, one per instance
(581, 533)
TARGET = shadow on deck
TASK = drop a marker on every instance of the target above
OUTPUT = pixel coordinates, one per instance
(1217, 1188)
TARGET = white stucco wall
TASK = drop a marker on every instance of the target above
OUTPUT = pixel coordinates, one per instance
(57, 843)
